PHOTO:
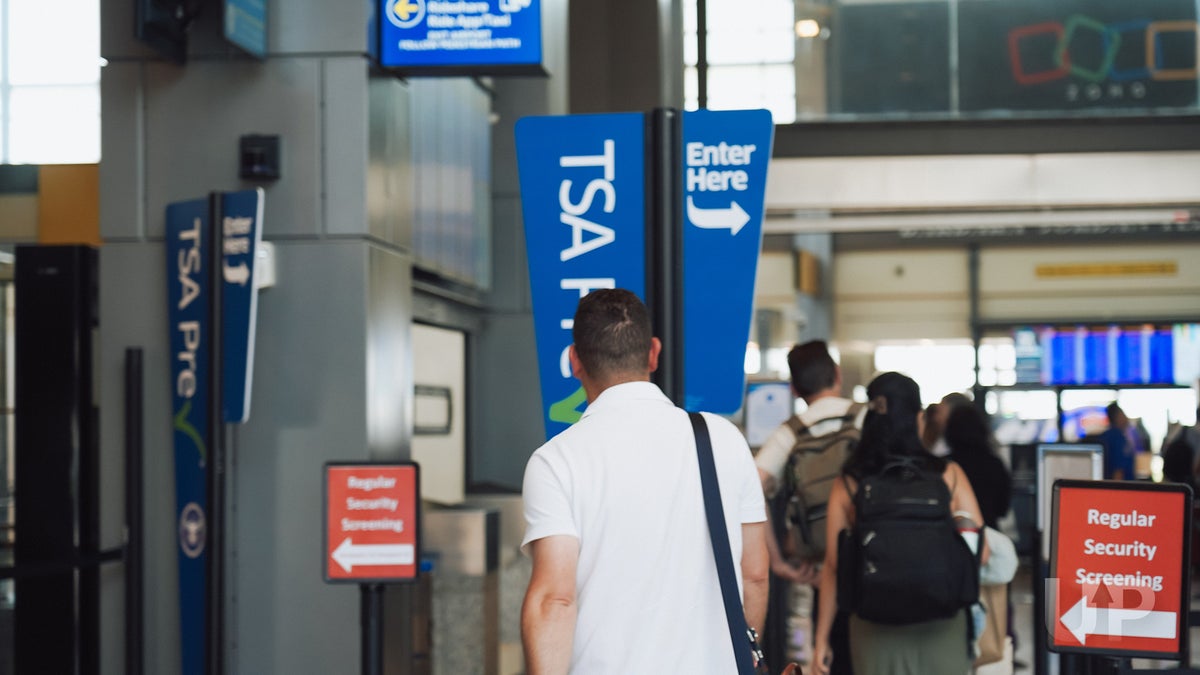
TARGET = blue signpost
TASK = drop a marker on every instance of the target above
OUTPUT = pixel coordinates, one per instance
(241, 229)
(582, 191)
(481, 34)
(189, 257)
(725, 158)
(211, 314)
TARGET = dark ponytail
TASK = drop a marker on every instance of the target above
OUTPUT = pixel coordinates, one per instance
(890, 428)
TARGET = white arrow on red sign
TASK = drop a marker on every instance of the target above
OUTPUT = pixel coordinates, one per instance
(1084, 620)
(349, 555)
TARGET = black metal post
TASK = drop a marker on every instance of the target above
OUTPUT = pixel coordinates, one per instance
(372, 629)
(215, 606)
(134, 540)
(1041, 655)
(976, 329)
(702, 53)
(664, 245)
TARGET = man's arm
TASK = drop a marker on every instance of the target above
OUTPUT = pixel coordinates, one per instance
(755, 567)
(804, 574)
(548, 614)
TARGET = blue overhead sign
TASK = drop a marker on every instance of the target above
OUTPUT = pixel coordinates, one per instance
(725, 158)
(475, 35)
(241, 233)
(189, 294)
(246, 25)
(582, 191)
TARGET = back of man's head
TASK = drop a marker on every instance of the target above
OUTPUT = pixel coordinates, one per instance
(813, 369)
(1116, 416)
(612, 333)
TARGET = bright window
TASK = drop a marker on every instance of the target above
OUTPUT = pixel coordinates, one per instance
(751, 52)
(50, 82)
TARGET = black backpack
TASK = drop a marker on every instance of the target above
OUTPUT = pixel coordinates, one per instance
(904, 560)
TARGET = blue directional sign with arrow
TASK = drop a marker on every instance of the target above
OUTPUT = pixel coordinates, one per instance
(725, 158)
(241, 224)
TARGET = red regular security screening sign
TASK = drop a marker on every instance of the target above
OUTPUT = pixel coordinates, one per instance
(371, 518)
(1120, 560)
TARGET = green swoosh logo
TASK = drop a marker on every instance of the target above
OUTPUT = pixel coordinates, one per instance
(183, 425)
(567, 410)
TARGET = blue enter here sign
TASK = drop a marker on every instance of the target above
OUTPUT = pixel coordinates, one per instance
(725, 158)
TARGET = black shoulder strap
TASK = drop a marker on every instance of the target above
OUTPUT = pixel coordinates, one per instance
(739, 633)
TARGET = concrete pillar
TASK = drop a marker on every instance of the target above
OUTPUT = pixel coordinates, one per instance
(332, 379)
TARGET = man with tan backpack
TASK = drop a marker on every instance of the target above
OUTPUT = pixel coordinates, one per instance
(797, 465)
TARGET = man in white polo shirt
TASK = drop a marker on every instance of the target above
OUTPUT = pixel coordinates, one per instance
(624, 579)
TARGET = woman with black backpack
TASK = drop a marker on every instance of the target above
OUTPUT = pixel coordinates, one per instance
(896, 559)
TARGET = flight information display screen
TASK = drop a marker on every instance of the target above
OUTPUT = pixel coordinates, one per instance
(1115, 354)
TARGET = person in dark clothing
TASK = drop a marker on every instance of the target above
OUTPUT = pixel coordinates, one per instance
(970, 439)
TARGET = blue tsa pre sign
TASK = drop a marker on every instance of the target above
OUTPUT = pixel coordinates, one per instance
(440, 33)
(582, 184)
(189, 293)
(725, 157)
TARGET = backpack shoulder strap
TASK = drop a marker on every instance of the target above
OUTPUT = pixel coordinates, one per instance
(798, 427)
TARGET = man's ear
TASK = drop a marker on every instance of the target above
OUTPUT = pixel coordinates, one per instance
(576, 364)
(655, 350)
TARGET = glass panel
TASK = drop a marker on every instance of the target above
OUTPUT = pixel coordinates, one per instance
(54, 125)
(741, 87)
(938, 367)
(58, 42)
(938, 59)
(754, 31)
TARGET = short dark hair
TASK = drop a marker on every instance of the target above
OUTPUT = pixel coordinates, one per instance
(612, 333)
(813, 369)
(1112, 411)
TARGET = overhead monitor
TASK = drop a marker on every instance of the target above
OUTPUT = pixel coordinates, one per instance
(1119, 354)
(246, 25)
(460, 37)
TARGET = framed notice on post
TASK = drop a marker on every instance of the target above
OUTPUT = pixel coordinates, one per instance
(372, 520)
(1120, 568)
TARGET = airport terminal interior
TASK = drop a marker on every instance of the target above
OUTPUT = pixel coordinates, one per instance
(998, 198)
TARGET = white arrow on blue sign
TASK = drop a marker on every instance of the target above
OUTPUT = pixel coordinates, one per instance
(725, 158)
(241, 224)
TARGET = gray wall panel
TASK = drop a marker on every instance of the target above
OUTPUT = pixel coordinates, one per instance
(506, 401)
(122, 136)
(344, 145)
(308, 407)
(510, 288)
(504, 391)
(293, 27)
(307, 26)
(190, 154)
(133, 312)
(389, 355)
(390, 190)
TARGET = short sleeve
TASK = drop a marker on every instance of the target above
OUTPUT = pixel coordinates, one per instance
(773, 454)
(753, 508)
(546, 502)
(739, 463)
